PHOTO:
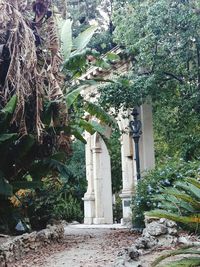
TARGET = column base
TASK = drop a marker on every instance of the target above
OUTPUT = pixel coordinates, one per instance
(99, 221)
(88, 221)
(89, 208)
(126, 197)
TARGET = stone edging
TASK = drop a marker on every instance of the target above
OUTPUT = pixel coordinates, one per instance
(17, 247)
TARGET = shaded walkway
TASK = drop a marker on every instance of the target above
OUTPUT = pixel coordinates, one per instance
(83, 247)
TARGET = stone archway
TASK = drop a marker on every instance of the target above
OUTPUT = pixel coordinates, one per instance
(98, 198)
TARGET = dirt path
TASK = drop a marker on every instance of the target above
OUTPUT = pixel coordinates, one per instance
(82, 248)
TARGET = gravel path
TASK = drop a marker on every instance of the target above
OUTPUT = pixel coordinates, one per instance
(82, 248)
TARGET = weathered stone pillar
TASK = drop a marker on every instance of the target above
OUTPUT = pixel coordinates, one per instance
(147, 155)
(98, 198)
(102, 182)
(127, 176)
(128, 167)
(89, 204)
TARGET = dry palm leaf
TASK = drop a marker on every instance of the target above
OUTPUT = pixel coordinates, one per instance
(29, 60)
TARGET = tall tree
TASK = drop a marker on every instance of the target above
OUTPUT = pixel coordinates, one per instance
(163, 38)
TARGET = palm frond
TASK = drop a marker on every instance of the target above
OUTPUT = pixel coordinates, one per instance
(181, 251)
(189, 188)
(195, 218)
(193, 181)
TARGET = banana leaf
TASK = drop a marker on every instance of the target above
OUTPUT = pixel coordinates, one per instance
(83, 39)
(6, 113)
(99, 113)
(78, 135)
(72, 96)
(66, 38)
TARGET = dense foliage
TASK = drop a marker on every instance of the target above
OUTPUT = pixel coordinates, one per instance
(40, 110)
(154, 182)
(163, 40)
(180, 203)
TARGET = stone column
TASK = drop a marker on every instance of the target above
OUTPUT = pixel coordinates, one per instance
(128, 167)
(127, 176)
(147, 155)
(102, 182)
(89, 200)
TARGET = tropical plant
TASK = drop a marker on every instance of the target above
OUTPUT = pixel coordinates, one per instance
(187, 261)
(35, 120)
(152, 184)
(37, 111)
(180, 203)
(68, 209)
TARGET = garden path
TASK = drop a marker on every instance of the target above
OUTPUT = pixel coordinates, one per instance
(83, 247)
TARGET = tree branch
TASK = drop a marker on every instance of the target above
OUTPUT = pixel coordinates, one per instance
(174, 76)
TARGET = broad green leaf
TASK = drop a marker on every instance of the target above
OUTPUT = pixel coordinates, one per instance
(66, 38)
(72, 96)
(98, 128)
(84, 38)
(87, 126)
(102, 63)
(6, 137)
(78, 136)
(10, 106)
(41, 168)
(6, 113)
(99, 113)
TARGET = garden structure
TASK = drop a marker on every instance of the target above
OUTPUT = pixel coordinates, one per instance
(98, 198)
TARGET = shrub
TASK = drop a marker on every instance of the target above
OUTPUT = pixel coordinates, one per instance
(55, 200)
(117, 209)
(154, 181)
(180, 203)
(68, 209)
